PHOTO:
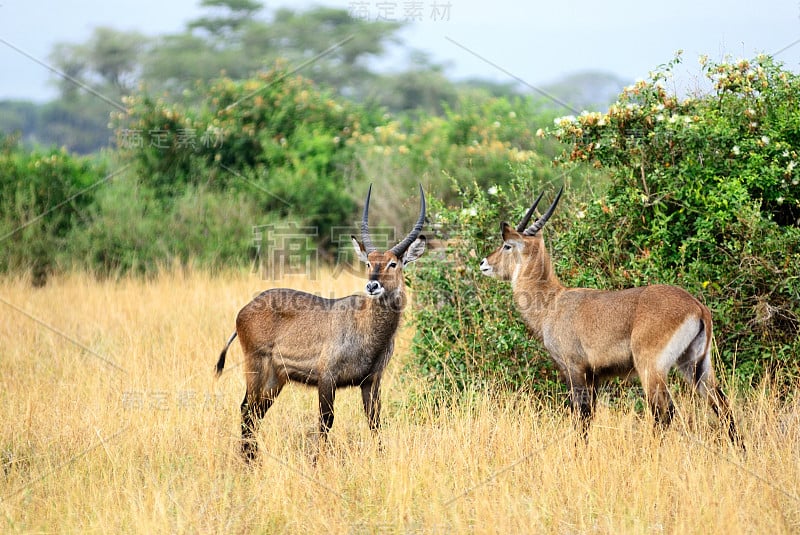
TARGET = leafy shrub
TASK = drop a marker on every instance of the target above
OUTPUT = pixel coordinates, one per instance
(43, 196)
(129, 230)
(702, 193)
(275, 136)
(705, 195)
(468, 332)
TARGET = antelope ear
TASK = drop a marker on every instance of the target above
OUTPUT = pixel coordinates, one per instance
(508, 232)
(361, 253)
(510, 235)
(414, 250)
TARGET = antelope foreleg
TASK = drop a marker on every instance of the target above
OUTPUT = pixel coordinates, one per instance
(327, 393)
(371, 397)
(582, 396)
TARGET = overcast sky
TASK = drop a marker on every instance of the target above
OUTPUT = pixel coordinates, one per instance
(537, 41)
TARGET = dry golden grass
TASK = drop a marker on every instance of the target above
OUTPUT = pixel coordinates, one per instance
(112, 422)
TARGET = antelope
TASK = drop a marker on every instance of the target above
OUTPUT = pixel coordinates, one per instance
(593, 335)
(289, 335)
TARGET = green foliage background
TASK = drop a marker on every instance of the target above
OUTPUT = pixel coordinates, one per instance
(191, 181)
(701, 192)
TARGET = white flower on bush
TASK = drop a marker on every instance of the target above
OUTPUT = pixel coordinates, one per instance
(736, 150)
(765, 140)
(492, 190)
(566, 120)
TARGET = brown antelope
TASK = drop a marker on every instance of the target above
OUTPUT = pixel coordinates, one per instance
(594, 334)
(288, 335)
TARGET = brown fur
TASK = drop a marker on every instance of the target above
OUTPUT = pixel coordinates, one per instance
(289, 335)
(593, 334)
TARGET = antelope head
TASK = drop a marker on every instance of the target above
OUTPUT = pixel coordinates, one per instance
(386, 268)
(522, 249)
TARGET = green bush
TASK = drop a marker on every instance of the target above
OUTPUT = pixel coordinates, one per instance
(468, 332)
(702, 193)
(129, 230)
(276, 137)
(705, 195)
(44, 195)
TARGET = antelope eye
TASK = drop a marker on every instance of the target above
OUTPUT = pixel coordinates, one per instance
(506, 246)
(392, 264)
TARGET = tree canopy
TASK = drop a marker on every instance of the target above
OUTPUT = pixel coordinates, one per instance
(238, 39)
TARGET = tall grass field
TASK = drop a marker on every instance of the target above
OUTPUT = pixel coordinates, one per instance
(113, 422)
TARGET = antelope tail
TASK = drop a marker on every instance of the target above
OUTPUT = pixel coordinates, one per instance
(221, 361)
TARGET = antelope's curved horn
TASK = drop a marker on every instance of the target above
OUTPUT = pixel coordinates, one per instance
(537, 226)
(365, 239)
(401, 247)
(528, 214)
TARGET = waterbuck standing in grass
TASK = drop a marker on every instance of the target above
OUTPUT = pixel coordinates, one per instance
(594, 334)
(289, 335)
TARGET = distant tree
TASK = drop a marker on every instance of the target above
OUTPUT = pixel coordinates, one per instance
(489, 87)
(589, 90)
(177, 62)
(109, 62)
(115, 57)
(18, 117)
(71, 60)
(333, 48)
(96, 75)
(80, 125)
(230, 18)
(305, 35)
(422, 87)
